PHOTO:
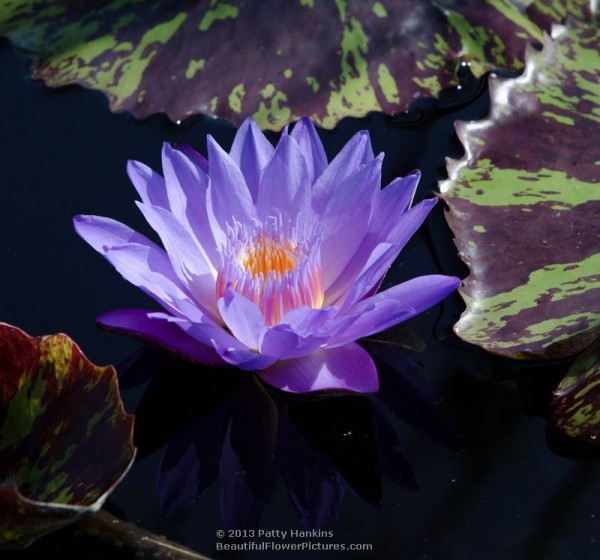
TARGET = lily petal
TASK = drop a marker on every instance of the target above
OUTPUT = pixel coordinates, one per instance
(406, 225)
(196, 158)
(355, 153)
(242, 317)
(392, 202)
(149, 184)
(345, 219)
(229, 348)
(395, 305)
(229, 199)
(348, 368)
(245, 359)
(383, 256)
(284, 188)
(305, 134)
(251, 151)
(139, 261)
(182, 177)
(187, 188)
(190, 262)
(300, 332)
(148, 326)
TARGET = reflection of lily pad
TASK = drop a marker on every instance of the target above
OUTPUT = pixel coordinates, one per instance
(277, 61)
(525, 205)
(65, 440)
(576, 403)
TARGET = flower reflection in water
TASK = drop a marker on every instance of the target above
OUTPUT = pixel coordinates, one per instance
(236, 429)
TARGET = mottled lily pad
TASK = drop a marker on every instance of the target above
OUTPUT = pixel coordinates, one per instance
(276, 61)
(576, 403)
(525, 204)
(65, 439)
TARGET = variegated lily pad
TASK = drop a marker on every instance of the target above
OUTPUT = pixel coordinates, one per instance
(576, 403)
(65, 439)
(276, 61)
(525, 204)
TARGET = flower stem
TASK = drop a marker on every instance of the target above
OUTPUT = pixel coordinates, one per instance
(120, 534)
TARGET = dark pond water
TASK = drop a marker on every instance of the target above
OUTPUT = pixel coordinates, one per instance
(506, 495)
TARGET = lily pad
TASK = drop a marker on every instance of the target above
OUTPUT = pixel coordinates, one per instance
(65, 439)
(525, 204)
(276, 61)
(576, 403)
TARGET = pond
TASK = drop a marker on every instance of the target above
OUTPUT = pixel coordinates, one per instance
(472, 477)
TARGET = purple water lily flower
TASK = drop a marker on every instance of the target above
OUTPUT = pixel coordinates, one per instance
(272, 257)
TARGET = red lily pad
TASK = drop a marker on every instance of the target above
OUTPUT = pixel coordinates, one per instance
(276, 61)
(525, 204)
(576, 403)
(65, 439)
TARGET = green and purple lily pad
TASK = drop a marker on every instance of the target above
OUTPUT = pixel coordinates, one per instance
(65, 439)
(275, 61)
(525, 204)
(576, 403)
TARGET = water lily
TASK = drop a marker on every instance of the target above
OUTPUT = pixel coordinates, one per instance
(272, 257)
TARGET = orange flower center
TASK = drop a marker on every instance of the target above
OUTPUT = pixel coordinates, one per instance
(266, 255)
(273, 271)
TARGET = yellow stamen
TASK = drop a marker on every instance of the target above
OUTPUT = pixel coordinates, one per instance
(266, 255)
(275, 273)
